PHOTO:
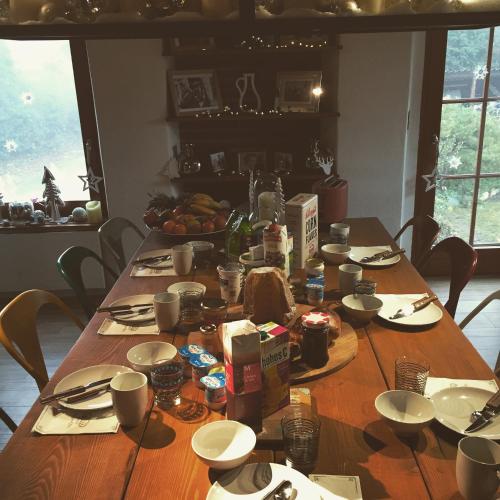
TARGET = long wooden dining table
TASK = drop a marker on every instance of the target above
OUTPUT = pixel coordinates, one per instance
(155, 459)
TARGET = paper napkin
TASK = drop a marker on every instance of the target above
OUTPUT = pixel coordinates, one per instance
(110, 327)
(435, 384)
(337, 487)
(48, 423)
(145, 272)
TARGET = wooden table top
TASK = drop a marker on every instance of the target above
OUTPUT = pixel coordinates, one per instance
(155, 459)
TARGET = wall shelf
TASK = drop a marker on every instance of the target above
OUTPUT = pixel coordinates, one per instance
(243, 179)
(252, 118)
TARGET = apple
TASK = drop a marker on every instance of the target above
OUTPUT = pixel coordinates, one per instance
(168, 227)
(180, 229)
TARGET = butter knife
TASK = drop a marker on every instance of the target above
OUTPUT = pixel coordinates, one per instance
(486, 415)
(73, 391)
(386, 254)
(418, 305)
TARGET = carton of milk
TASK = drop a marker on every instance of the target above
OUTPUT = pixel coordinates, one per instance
(275, 363)
(301, 214)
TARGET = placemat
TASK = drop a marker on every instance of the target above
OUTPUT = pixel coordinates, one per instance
(337, 487)
(110, 327)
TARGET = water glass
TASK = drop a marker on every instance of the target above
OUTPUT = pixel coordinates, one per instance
(300, 428)
(166, 379)
(411, 374)
(191, 306)
(339, 233)
(231, 281)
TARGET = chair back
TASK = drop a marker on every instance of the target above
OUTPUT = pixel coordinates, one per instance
(111, 236)
(491, 297)
(463, 261)
(18, 331)
(428, 230)
(69, 265)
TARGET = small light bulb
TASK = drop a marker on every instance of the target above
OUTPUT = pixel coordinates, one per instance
(317, 91)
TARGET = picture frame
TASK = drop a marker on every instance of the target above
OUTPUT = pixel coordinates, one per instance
(295, 91)
(192, 44)
(195, 91)
(251, 160)
(218, 162)
(283, 163)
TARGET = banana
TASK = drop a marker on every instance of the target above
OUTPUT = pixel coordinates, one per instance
(201, 196)
(205, 202)
(201, 209)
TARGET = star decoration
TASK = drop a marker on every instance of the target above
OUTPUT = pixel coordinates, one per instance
(10, 145)
(27, 98)
(480, 72)
(430, 180)
(91, 181)
(455, 162)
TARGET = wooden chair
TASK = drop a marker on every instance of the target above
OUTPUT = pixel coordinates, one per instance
(111, 236)
(69, 265)
(428, 230)
(19, 335)
(463, 260)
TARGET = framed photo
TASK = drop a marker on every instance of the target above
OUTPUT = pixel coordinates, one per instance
(218, 162)
(251, 160)
(186, 44)
(195, 91)
(283, 162)
(295, 90)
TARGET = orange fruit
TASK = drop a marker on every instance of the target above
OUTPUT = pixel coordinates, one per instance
(208, 227)
(180, 229)
(169, 226)
(220, 222)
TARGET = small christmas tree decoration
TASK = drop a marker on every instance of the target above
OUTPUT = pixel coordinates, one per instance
(280, 202)
(51, 196)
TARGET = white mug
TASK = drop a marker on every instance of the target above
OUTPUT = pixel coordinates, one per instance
(182, 259)
(339, 233)
(129, 392)
(167, 308)
(349, 274)
(478, 463)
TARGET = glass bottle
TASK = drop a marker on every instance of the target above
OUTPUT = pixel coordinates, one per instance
(239, 238)
(265, 200)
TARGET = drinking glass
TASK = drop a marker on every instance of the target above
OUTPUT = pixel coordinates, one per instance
(231, 276)
(191, 306)
(411, 373)
(166, 379)
(300, 428)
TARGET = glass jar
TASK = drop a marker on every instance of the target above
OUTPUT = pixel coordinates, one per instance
(314, 268)
(214, 311)
(315, 326)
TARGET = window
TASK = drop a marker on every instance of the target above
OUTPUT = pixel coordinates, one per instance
(467, 198)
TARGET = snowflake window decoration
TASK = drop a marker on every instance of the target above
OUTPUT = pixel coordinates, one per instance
(10, 145)
(27, 98)
(480, 72)
(454, 162)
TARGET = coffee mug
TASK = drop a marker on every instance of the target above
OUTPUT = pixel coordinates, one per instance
(339, 233)
(182, 259)
(167, 308)
(129, 392)
(349, 275)
(478, 463)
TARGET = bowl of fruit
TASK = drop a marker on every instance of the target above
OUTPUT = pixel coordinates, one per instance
(196, 215)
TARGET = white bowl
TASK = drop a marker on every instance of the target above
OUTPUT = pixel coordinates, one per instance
(362, 307)
(143, 356)
(185, 286)
(335, 254)
(202, 247)
(224, 444)
(405, 411)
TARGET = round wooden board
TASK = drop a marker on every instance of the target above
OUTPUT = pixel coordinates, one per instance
(343, 350)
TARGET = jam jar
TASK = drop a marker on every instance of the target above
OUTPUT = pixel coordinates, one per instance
(315, 326)
(214, 310)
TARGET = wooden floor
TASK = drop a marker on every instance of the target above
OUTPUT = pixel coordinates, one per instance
(57, 336)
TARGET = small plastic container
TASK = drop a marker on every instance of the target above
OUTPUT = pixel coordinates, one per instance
(185, 352)
(314, 268)
(201, 365)
(215, 390)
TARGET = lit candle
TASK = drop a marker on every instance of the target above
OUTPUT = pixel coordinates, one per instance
(94, 212)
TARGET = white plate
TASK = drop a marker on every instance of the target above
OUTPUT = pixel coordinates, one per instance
(85, 376)
(392, 303)
(255, 481)
(134, 317)
(454, 407)
(157, 253)
(184, 286)
(358, 253)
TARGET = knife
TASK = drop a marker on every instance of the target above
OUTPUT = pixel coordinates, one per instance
(278, 490)
(418, 305)
(386, 254)
(486, 415)
(124, 307)
(74, 390)
(89, 394)
(160, 258)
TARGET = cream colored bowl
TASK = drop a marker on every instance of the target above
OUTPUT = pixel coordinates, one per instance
(405, 411)
(362, 307)
(224, 444)
(335, 254)
(144, 356)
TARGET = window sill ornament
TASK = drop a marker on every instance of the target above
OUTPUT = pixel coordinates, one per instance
(51, 196)
(90, 181)
(431, 179)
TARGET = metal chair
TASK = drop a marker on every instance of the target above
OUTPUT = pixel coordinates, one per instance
(428, 230)
(69, 265)
(19, 335)
(111, 237)
(463, 259)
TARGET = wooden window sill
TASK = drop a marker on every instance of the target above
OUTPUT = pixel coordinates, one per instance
(48, 228)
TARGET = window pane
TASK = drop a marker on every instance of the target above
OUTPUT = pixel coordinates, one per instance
(39, 120)
(466, 56)
(494, 90)
(459, 138)
(487, 229)
(490, 162)
(453, 207)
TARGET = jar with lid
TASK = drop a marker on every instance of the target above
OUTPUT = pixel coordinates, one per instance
(315, 327)
(206, 338)
(214, 310)
(314, 268)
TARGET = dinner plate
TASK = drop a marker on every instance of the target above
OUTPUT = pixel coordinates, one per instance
(157, 253)
(455, 405)
(85, 376)
(133, 316)
(358, 253)
(392, 303)
(255, 481)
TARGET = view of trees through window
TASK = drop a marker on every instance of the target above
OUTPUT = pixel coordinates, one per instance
(39, 120)
(467, 202)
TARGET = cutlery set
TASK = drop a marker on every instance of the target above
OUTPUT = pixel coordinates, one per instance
(78, 393)
(152, 262)
(485, 416)
(386, 254)
(412, 308)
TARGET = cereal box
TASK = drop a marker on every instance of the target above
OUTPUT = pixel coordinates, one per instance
(301, 214)
(275, 360)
